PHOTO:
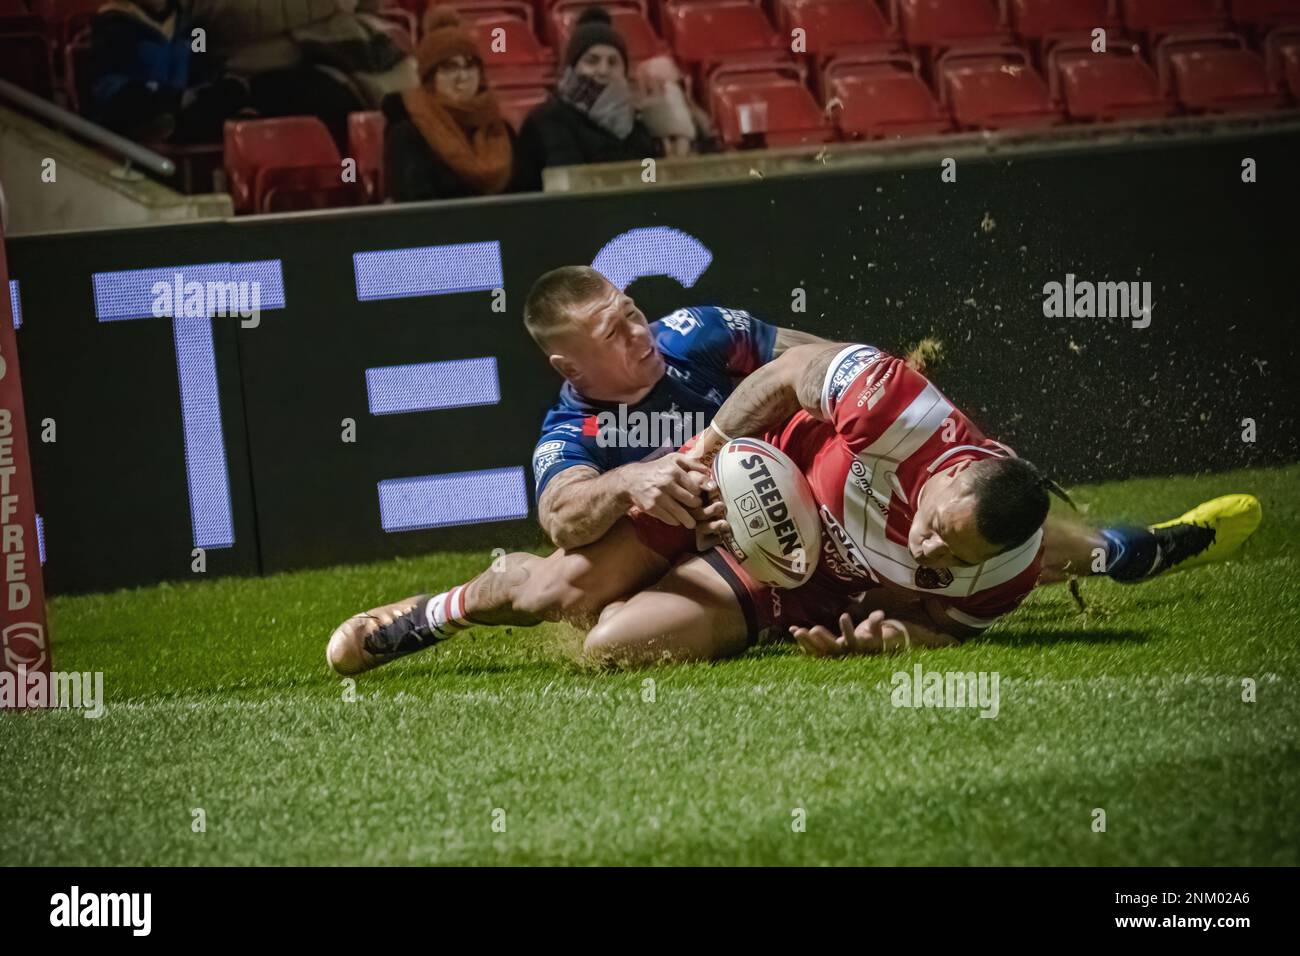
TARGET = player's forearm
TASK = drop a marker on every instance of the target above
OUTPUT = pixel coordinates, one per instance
(583, 511)
(765, 399)
(786, 339)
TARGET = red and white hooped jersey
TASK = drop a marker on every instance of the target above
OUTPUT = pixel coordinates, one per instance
(887, 429)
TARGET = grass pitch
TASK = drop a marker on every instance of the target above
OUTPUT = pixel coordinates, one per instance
(219, 698)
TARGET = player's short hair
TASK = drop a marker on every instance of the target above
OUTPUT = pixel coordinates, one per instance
(1011, 500)
(552, 296)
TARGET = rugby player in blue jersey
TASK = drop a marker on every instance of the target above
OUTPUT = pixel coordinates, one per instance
(634, 392)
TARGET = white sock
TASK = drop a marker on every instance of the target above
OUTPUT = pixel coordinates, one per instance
(445, 612)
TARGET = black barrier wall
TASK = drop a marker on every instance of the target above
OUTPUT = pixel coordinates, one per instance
(886, 257)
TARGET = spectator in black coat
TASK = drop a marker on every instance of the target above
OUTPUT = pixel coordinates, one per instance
(446, 138)
(146, 85)
(591, 117)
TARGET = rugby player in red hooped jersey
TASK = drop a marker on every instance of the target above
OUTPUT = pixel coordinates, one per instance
(597, 338)
(931, 531)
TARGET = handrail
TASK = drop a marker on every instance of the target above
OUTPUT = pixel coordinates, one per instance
(87, 130)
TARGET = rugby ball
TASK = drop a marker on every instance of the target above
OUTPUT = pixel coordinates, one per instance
(775, 528)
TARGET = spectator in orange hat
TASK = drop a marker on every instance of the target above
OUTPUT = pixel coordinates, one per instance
(446, 138)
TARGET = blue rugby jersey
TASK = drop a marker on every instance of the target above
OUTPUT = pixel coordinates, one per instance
(707, 351)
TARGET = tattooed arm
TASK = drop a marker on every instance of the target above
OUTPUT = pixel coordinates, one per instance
(770, 395)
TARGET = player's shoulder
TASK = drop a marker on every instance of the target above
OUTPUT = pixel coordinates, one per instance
(702, 323)
(845, 371)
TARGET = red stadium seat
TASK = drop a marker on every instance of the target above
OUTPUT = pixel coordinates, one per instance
(77, 71)
(833, 24)
(1116, 85)
(994, 88)
(65, 18)
(506, 40)
(1036, 19)
(939, 24)
(1215, 73)
(517, 100)
(253, 147)
(1282, 59)
(401, 25)
(1154, 18)
(291, 189)
(366, 146)
(704, 31)
(629, 19)
(792, 115)
(1262, 15)
(880, 95)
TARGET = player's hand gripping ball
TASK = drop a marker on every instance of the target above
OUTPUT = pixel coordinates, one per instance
(775, 531)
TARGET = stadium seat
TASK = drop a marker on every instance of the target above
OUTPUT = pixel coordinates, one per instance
(994, 88)
(792, 116)
(292, 189)
(366, 146)
(1282, 59)
(78, 71)
(938, 24)
(1116, 85)
(518, 99)
(1034, 20)
(25, 61)
(401, 25)
(1263, 15)
(707, 31)
(881, 95)
(255, 147)
(65, 18)
(519, 55)
(629, 18)
(1214, 73)
(833, 24)
(1155, 18)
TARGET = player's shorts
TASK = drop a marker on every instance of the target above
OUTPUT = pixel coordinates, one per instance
(672, 541)
(770, 611)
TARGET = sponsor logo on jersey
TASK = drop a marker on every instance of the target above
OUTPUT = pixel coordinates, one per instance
(542, 464)
(737, 320)
(839, 553)
(933, 579)
(772, 504)
(860, 477)
(848, 369)
(874, 389)
(683, 322)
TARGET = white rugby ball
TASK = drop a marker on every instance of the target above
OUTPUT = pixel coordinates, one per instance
(776, 532)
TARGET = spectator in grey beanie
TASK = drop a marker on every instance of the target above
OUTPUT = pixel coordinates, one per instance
(591, 117)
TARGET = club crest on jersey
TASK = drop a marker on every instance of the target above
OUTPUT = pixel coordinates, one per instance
(933, 579)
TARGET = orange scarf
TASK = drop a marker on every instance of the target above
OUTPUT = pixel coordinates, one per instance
(471, 138)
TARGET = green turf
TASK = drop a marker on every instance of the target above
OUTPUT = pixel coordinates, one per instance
(219, 698)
